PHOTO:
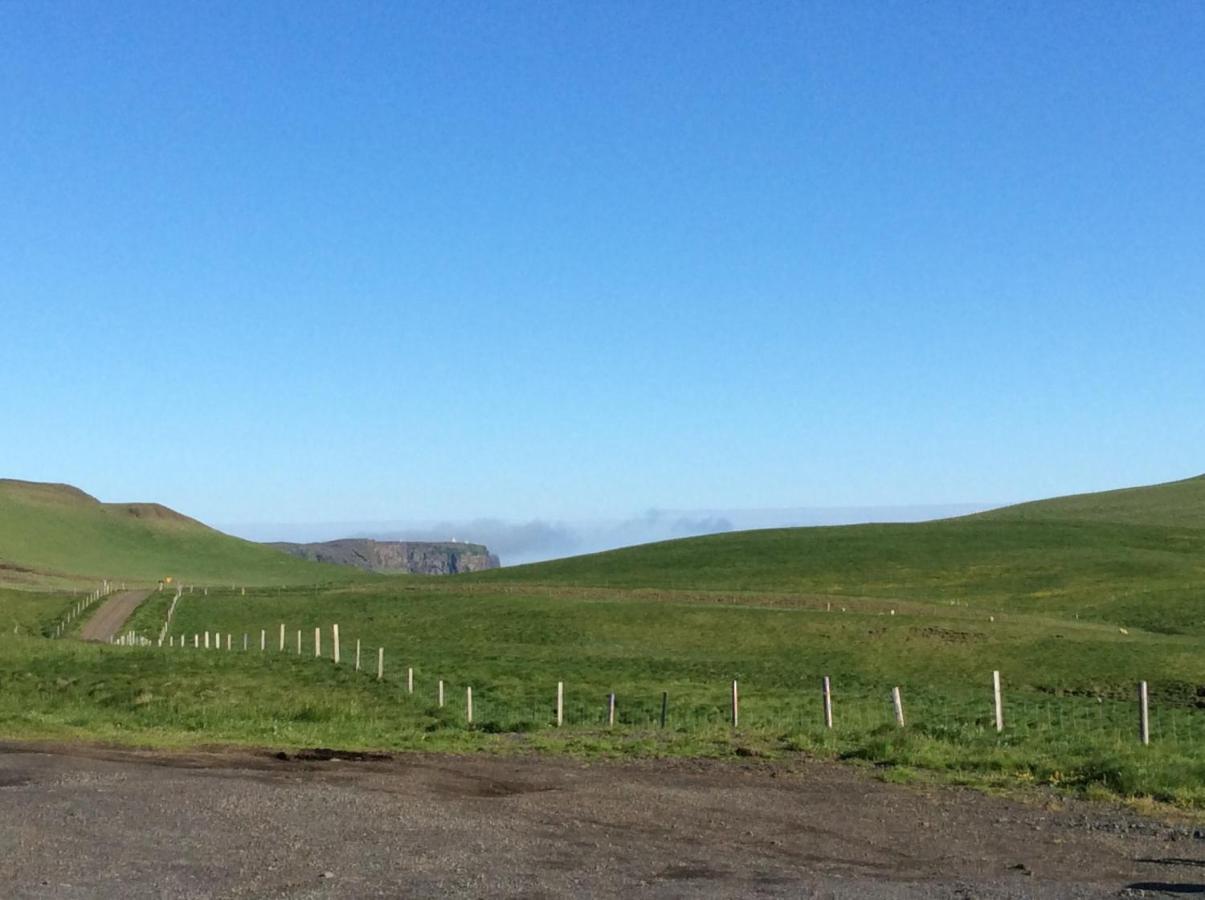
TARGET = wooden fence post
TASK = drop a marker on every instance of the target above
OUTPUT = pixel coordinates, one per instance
(1144, 714)
(299, 642)
(898, 702)
(611, 710)
(828, 702)
(441, 694)
(335, 639)
(736, 706)
(998, 697)
(196, 640)
(282, 637)
(206, 640)
(245, 640)
(560, 703)
(380, 663)
(317, 642)
(263, 640)
(468, 704)
(410, 680)
(357, 654)
(229, 636)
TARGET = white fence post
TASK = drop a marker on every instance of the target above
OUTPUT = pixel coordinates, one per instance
(560, 703)
(1144, 714)
(999, 700)
(335, 639)
(898, 702)
(828, 702)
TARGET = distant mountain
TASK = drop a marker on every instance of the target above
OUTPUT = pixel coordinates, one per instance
(394, 557)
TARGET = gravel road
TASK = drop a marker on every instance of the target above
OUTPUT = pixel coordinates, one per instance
(91, 822)
(111, 615)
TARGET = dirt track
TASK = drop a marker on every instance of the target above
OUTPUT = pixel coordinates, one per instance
(98, 823)
(112, 614)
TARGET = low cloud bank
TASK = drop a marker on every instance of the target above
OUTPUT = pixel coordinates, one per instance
(539, 539)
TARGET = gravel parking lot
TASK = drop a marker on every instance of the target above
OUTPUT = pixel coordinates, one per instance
(95, 822)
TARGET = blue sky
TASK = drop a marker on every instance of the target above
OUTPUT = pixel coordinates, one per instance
(302, 263)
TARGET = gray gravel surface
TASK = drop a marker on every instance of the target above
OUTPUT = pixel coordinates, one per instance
(111, 615)
(95, 822)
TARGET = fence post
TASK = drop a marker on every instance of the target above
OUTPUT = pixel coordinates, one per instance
(263, 640)
(335, 639)
(664, 707)
(380, 663)
(999, 699)
(898, 702)
(828, 703)
(282, 637)
(245, 641)
(468, 704)
(299, 642)
(611, 710)
(410, 680)
(357, 654)
(441, 694)
(196, 640)
(560, 703)
(229, 636)
(317, 642)
(206, 640)
(736, 706)
(1144, 714)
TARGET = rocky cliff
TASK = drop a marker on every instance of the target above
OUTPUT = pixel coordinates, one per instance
(418, 557)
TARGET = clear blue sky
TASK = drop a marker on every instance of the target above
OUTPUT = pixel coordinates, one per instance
(332, 262)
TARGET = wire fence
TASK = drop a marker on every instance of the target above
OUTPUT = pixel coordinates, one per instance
(1059, 722)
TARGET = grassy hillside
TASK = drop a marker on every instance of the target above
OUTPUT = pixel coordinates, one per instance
(53, 533)
(1174, 504)
(1134, 558)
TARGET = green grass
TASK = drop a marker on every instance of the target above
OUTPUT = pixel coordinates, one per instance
(55, 534)
(1073, 608)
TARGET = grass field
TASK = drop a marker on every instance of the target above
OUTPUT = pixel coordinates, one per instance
(1072, 611)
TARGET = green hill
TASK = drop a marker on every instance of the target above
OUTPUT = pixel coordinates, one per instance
(1133, 557)
(1176, 503)
(55, 533)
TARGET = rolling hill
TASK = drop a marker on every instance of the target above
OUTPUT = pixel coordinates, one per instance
(55, 533)
(1135, 556)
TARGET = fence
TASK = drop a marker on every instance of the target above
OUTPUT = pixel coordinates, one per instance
(59, 628)
(824, 708)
